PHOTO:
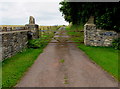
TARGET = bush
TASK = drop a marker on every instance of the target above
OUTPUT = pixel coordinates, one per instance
(37, 43)
(116, 43)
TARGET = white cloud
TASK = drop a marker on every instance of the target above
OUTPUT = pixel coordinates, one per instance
(30, 0)
(45, 13)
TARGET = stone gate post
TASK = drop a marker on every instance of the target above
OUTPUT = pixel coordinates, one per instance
(34, 28)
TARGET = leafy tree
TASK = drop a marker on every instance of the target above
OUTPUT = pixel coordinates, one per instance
(106, 13)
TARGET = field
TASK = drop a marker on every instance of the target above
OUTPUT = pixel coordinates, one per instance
(76, 33)
(46, 30)
(40, 27)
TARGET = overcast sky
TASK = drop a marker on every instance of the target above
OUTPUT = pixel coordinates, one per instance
(17, 12)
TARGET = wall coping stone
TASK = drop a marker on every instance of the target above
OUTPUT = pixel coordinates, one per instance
(13, 31)
(90, 24)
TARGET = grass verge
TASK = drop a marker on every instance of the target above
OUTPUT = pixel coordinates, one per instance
(13, 68)
(106, 57)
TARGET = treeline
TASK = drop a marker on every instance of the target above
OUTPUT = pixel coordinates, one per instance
(107, 14)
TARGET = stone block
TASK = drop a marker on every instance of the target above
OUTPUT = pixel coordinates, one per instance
(4, 29)
(98, 37)
(13, 42)
(0, 29)
(9, 28)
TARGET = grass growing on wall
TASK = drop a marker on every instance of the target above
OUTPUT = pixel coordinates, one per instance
(106, 57)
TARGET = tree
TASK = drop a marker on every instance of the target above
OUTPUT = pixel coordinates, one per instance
(106, 13)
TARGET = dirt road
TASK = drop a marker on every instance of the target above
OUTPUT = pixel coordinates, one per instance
(65, 66)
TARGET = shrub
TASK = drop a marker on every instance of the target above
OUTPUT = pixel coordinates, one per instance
(37, 43)
(116, 43)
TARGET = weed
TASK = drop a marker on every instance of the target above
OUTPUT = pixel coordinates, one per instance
(62, 61)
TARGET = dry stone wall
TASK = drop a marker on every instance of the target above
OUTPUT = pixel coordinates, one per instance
(6, 29)
(98, 37)
(14, 39)
(0, 47)
(34, 30)
(12, 42)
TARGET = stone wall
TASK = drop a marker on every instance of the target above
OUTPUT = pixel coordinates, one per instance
(98, 37)
(14, 39)
(6, 29)
(33, 30)
(0, 47)
(12, 42)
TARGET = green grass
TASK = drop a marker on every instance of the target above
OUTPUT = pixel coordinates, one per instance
(0, 75)
(13, 68)
(66, 80)
(105, 57)
(62, 61)
(75, 32)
